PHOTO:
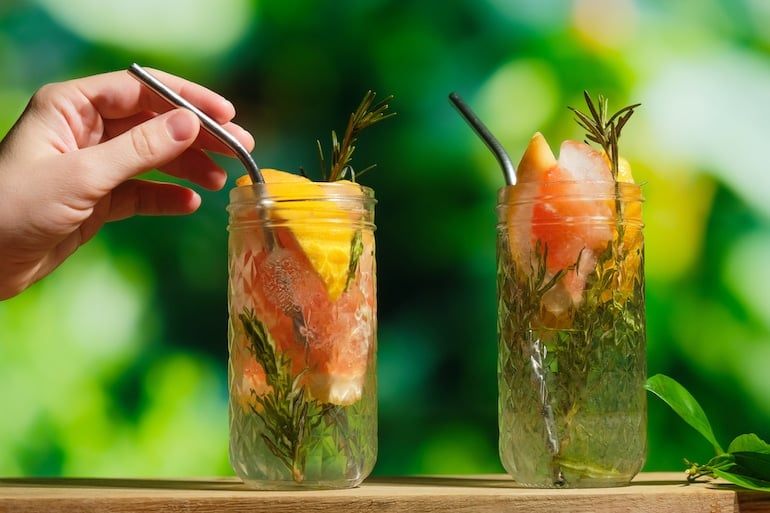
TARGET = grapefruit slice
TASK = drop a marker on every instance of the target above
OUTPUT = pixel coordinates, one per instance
(328, 342)
(300, 291)
(560, 215)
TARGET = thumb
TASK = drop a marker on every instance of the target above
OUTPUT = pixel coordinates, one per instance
(146, 146)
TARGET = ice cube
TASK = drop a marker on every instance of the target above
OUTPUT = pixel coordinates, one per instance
(581, 162)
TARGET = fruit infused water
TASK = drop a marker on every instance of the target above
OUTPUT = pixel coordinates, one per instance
(571, 314)
(303, 409)
(303, 325)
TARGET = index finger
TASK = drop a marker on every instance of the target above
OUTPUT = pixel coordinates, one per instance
(117, 95)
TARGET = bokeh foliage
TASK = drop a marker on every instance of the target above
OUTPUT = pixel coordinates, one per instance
(116, 364)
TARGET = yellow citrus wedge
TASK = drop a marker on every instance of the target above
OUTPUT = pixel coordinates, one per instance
(329, 250)
(624, 171)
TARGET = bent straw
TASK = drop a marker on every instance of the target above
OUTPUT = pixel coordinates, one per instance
(215, 129)
(538, 349)
(208, 124)
(509, 171)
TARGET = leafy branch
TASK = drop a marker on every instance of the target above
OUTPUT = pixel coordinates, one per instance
(603, 130)
(364, 116)
(746, 462)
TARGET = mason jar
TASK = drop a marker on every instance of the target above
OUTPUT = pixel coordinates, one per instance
(571, 333)
(302, 334)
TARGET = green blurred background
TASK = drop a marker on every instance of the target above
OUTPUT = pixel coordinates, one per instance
(115, 365)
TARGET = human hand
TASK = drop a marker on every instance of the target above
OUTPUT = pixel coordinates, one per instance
(70, 164)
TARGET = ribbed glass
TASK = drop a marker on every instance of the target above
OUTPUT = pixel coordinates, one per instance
(302, 335)
(571, 333)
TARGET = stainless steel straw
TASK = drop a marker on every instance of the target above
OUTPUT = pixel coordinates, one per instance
(208, 124)
(215, 129)
(509, 171)
(537, 348)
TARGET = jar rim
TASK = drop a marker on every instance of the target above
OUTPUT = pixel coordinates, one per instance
(570, 190)
(295, 191)
(570, 183)
(562, 183)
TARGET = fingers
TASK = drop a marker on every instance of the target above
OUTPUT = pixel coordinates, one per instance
(126, 106)
(197, 167)
(140, 197)
(118, 97)
(205, 140)
(118, 94)
(149, 145)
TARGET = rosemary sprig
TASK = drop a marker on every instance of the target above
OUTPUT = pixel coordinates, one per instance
(603, 130)
(288, 413)
(356, 249)
(364, 116)
(606, 132)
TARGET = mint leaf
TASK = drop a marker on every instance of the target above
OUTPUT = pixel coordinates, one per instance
(684, 404)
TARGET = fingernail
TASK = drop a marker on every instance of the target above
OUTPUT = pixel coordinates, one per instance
(181, 126)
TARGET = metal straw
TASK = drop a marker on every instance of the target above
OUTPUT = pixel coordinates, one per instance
(537, 347)
(509, 171)
(294, 311)
(208, 124)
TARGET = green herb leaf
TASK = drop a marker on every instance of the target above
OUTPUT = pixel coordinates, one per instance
(285, 408)
(602, 128)
(749, 443)
(753, 464)
(737, 475)
(747, 460)
(367, 114)
(684, 404)
(356, 249)
(748, 469)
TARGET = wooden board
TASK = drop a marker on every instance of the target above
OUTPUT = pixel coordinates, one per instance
(651, 492)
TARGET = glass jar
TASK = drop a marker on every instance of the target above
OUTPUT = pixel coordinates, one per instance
(302, 334)
(571, 333)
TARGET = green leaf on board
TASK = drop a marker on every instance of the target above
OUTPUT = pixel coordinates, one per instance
(753, 464)
(735, 476)
(749, 443)
(747, 460)
(684, 404)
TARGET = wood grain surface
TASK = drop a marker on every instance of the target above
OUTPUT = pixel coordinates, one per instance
(650, 492)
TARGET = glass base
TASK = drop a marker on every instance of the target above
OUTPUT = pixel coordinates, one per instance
(580, 483)
(305, 485)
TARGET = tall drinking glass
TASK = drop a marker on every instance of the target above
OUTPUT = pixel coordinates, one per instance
(302, 334)
(571, 333)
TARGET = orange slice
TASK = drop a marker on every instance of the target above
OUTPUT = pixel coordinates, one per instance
(328, 249)
(537, 160)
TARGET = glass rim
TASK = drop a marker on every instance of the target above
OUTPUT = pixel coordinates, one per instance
(570, 190)
(280, 192)
(521, 185)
